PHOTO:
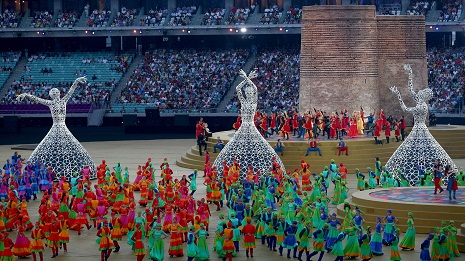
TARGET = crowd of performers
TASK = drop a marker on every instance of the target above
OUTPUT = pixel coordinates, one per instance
(334, 126)
(287, 212)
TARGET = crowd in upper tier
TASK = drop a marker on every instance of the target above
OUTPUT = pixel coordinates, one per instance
(451, 11)
(184, 79)
(278, 79)
(199, 79)
(446, 76)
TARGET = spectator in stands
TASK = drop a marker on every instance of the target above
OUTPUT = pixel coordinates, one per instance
(182, 16)
(9, 19)
(446, 77)
(155, 17)
(213, 16)
(125, 17)
(238, 16)
(271, 15)
(418, 8)
(450, 12)
(67, 19)
(278, 80)
(185, 79)
(42, 19)
(99, 18)
(293, 16)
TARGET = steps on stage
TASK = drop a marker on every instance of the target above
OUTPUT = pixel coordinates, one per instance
(362, 151)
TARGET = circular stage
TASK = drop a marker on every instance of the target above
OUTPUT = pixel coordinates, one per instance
(419, 195)
(428, 209)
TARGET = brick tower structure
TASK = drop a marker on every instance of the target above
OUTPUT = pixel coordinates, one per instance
(350, 57)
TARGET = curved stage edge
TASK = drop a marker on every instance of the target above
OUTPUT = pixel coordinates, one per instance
(428, 209)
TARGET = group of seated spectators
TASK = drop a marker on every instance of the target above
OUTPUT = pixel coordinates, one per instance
(271, 15)
(99, 18)
(67, 19)
(450, 12)
(46, 70)
(213, 16)
(42, 19)
(9, 19)
(394, 8)
(293, 16)
(278, 80)
(238, 16)
(155, 17)
(125, 17)
(8, 57)
(184, 79)
(446, 77)
(182, 15)
(89, 93)
(418, 8)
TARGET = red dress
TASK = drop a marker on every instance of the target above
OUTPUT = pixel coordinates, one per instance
(22, 247)
(387, 132)
(7, 254)
(287, 126)
(249, 236)
(377, 132)
(397, 129)
(139, 248)
(353, 127)
(53, 240)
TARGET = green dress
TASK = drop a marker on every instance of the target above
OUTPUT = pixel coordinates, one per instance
(192, 250)
(352, 247)
(408, 242)
(202, 247)
(395, 249)
(304, 242)
(157, 251)
(365, 249)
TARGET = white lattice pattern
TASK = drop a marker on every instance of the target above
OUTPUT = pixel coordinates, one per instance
(60, 149)
(420, 147)
(248, 146)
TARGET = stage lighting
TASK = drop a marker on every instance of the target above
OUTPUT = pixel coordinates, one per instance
(280, 28)
(135, 31)
(38, 32)
(140, 31)
(86, 31)
(287, 30)
(230, 29)
(237, 31)
(183, 30)
(188, 31)
(437, 28)
(430, 27)
(243, 30)
(93, 32)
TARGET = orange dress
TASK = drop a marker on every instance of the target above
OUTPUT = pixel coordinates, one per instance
(105, 241)
(37, 245)
(228, 245)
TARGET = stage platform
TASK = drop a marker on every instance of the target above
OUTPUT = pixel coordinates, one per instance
(362, 150)
(428, 209)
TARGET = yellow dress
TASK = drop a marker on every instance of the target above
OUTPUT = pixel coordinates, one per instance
(360, 125)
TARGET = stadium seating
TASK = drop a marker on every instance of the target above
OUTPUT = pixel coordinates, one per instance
(125, 17)
(278, 80)
(9, 19)
(155, 17)
(67, 19)
(185, 79)
(182, 16)
(104, 70)
(8, 63)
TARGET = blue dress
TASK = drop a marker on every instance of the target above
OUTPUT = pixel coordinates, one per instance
(424, 254)
(290, 241)
(376, 241)
(389, 229)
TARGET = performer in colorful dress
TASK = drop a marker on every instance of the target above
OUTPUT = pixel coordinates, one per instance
(394, 245)
(158, 249)
(176, 248)
(249, 237)
(389, 227)
(338, 250)
(22, 246)
(64, 235)
(365, 250)
(53, 240)
(104, 241)
(408, 242)
(290, 241)
(116, 231)
(6, 254)
(138, 238)
(37, 245)
(319, 243)
(202, 247)
(352, 247)
(424, 254)
(228, 245)
(444, 251)
(376, 245)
